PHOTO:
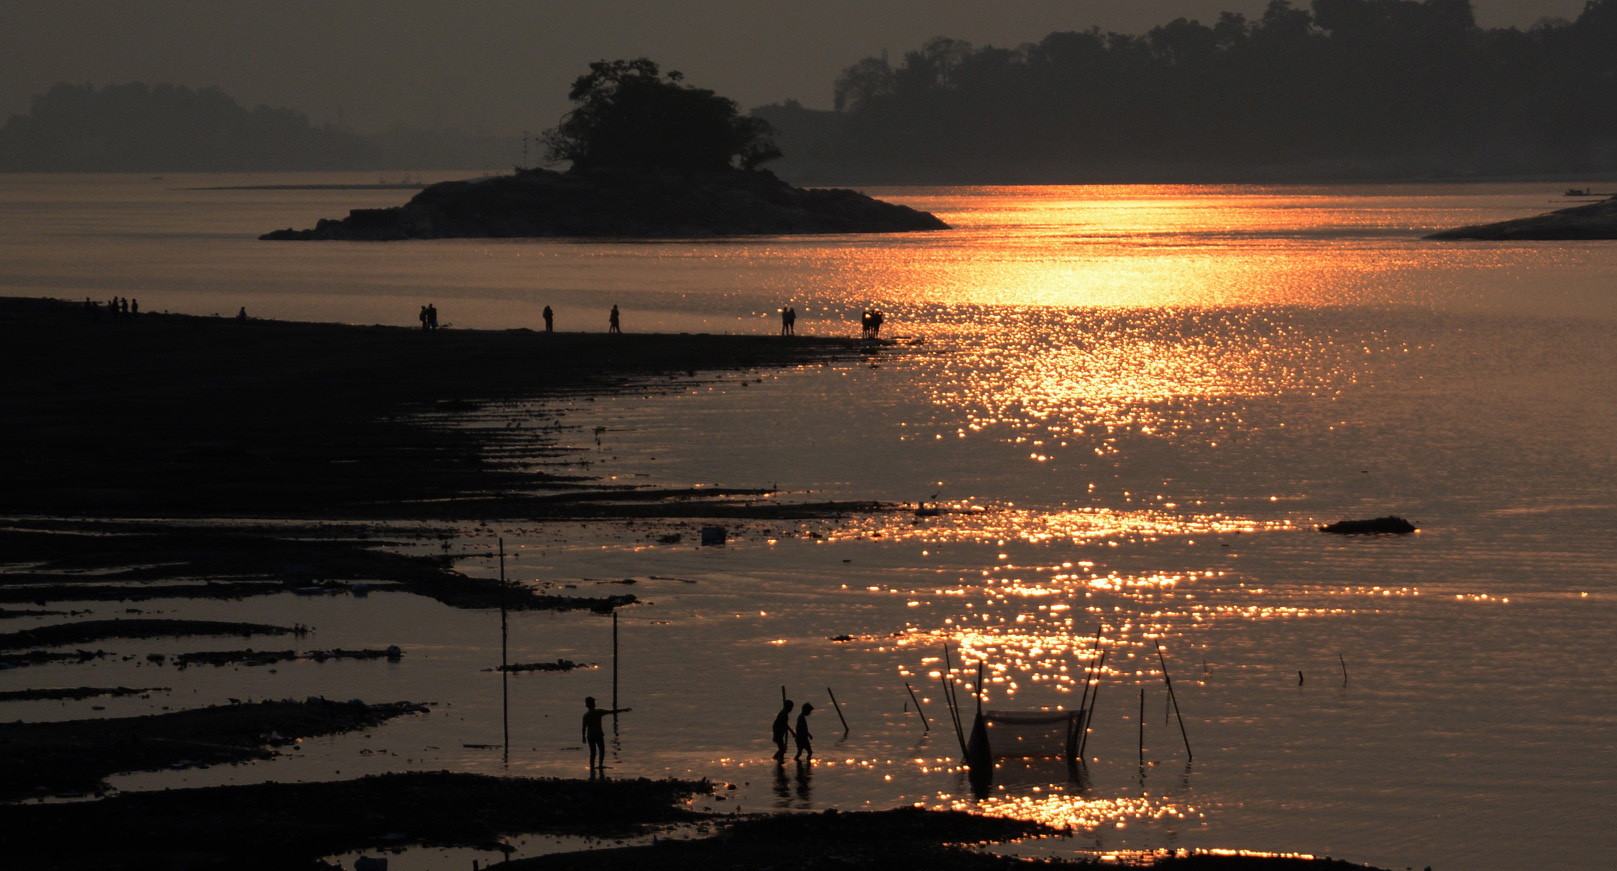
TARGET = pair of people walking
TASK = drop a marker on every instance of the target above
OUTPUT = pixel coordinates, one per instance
(800, 735)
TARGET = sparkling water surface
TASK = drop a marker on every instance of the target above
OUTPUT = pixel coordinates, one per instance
(1133, 403)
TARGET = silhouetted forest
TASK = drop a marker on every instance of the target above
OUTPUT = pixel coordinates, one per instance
(168, 128)
(1341, 89)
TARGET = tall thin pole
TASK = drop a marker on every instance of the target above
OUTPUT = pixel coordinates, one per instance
(951, 700)
(1142, 727)
(1094, 699)
(1343, 660)
(979, 689)
(920, 713)
(505, 671)
(1175, 699)
(614, 664)
(839, 710)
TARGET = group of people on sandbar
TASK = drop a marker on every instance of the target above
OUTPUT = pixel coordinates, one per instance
(117, 307)
(429, 317)
(871, 322)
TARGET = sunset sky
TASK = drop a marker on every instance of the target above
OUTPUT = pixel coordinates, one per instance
(500, 65)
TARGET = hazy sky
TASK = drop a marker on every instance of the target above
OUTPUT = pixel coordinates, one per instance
(504, 65)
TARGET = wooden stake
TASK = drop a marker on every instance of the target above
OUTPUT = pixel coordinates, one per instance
(614, 664)
(839, 710)
(1142, 727)
(1094, 698)
(1175, 699)
(951, 701)
(1340, 659)
(505, 671)
(924, 724)
(979, 689)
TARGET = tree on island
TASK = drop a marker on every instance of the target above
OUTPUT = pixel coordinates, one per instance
(629, 114)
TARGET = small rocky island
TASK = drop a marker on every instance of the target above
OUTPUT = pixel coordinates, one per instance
(1590, 221)
(622, 202)
(651, 157)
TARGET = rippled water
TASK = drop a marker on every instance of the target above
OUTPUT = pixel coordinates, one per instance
(1136, 403)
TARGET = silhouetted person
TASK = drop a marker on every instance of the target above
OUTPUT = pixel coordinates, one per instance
(782, 728)
(134, 306)
(788, 321)
(423, 318)
(242, 314)
(801, 734)
(550, 320)
(432, 316)
(595, 733)
(612, 324)
(123, 305)
(876, 317)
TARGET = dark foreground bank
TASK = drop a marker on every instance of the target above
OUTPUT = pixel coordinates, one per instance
(294, 826)
(179, 416)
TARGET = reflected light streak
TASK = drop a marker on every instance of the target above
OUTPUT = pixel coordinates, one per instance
(1058, 809)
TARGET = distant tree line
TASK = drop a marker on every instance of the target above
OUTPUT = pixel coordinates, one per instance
(630, 114)
(1344, 87)
(168, 128)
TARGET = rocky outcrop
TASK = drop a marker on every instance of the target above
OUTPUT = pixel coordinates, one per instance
(1591, 221)
(621, 203)
(1389, 525)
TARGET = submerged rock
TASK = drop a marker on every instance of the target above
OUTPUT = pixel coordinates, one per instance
(1590, 221)
(1377, 525)
(621, 203)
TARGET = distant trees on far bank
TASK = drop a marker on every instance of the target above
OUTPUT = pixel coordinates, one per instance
(142, 128)
(1343, 87)
(629, 113)
(168, 128)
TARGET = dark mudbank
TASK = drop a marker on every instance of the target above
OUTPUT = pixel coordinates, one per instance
(631, 203)
(1374, 526)
(1591, 221)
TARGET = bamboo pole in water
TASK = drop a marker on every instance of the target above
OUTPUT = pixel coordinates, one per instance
(1093, 700)
(1175, 699)
(1341, 659)
(505, 670)
(925, 726)
(1141, 725)
(614, 665)
(838, 709)
(950, 700)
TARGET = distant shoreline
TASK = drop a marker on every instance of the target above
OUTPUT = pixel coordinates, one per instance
(381, 186)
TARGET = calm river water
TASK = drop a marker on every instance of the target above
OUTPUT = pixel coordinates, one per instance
(1145, 397)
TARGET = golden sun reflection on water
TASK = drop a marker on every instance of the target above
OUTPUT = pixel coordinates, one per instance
(1057, 808)
(959, 522)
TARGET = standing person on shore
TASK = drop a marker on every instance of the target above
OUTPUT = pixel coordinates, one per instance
(804, 739)
(423, 318)
(595, 733)
(550, 320)
(432, 316)
(782, 728)
(788, 321)
(612, 324)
